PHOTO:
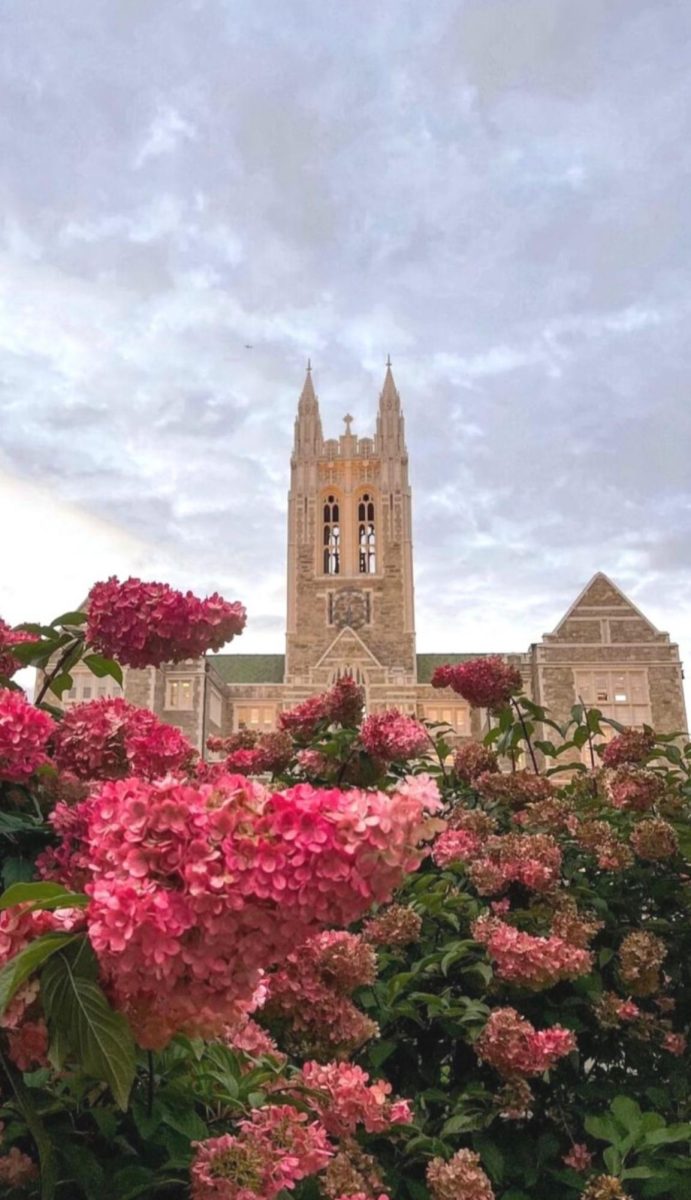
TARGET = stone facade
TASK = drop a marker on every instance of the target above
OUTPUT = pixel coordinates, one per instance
(351, 608)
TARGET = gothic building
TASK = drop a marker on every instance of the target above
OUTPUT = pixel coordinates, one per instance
(350, 609)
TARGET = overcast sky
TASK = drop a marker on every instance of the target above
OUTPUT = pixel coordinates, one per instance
(495, 192)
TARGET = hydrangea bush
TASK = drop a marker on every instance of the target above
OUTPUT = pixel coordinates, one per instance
(349, 960)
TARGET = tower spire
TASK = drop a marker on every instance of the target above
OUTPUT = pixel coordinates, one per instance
(308, 426)
(390, 429)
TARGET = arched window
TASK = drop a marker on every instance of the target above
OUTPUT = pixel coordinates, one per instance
(332, 537)
(353, 671)
(367, 547)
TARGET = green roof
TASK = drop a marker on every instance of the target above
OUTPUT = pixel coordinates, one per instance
(249, 668)
(427, 663)
(268, 668)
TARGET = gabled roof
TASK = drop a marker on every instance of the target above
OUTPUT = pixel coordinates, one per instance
(619, 599)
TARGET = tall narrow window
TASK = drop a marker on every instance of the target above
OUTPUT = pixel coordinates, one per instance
(367, 547)
(332, 537)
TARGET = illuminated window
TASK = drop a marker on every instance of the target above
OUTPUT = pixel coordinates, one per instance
(179, 694)
(457, 717)
(331, 537)
(259, 718)
(367, 547)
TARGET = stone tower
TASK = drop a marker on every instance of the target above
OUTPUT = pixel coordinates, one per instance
(350, 554)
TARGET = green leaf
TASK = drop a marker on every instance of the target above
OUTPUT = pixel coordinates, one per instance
(19, 968)
(43, 895)
(71, 618)
(82, 1023)
(61, 683)
(100, 666)
(671, 1133)
(627, 1112)
(130, 1182)
(612, 1160)
(17, 823)
(604, 1128)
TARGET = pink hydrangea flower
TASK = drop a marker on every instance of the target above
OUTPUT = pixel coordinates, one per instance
(147, 624)
(513, 1046)
(393, 737)
(24, 735)
(579, 1157)
(273, 1149)
(110, 738)
(345, 1098)
(197, 889)
(484, 682)
(531, 962)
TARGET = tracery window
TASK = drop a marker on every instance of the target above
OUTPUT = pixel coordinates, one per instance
(367, 540)
(332, 536)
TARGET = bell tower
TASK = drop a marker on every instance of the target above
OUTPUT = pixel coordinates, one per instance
(350, 554)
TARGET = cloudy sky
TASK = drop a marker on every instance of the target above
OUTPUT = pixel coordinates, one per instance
(494, 191)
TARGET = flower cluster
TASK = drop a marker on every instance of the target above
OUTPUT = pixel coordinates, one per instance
(631, 746)
(147, 624)
(17, 1170)
(346, 1098)
(634, 789)
(455, 845)
(461, 1178)
(28, 1045)
(576, 927)
(530, 962)
(398, 925)
(601, 840)
(473, 759)
(532, 860)
(393, 737)
(641, 956)
(484, 682)
(9, 637)
(273, 1149)
(654, 840)
(610, 1010)
(110, 738)
(515, 1099)
(352, 1173)
(605, 1187)
(513, 1046)
(309, 994)
(249, 753)
(516, 790)
(579, 1157)
(24, 734)
(341, 705)
(551, 815)
(197, 889)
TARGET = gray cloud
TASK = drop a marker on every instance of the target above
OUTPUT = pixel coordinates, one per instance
(495, 191)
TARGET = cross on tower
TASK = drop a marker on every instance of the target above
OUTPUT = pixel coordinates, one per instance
(348, 422)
